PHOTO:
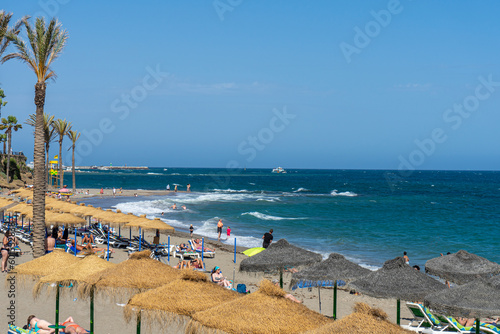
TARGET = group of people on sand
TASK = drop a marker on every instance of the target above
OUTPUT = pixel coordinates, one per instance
(59, 237)
(40, 326)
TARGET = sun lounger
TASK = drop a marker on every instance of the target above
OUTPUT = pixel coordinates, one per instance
(483, 327)
(17, 330)
(205, 253)
(424, 319)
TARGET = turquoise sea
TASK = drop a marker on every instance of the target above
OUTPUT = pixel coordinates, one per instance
(369, 216)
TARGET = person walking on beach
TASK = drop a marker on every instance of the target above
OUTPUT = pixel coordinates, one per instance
(114, 192)
(175, 188)
(407, 259)
(228, 230)
(191, 229)
(268, 238)
(219, 229)
(168, 187)
(188, 189)
(102, 192)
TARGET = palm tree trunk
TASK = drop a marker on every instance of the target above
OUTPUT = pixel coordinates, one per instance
(47, 165)
(73, 169)
(60, 165)
(39, 175)
(8, 154)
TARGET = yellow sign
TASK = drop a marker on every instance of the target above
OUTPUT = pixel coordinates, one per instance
(53, 172)
(53, 162)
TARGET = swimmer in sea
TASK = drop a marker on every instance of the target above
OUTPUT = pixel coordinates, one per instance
(174, 206)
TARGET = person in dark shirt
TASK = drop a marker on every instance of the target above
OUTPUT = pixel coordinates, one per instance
(268, 238)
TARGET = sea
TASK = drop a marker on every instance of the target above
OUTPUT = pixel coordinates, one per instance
(369, 216)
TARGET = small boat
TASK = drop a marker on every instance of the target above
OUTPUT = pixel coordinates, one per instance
(279, 170)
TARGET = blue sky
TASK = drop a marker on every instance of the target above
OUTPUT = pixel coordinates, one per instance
(299, 84)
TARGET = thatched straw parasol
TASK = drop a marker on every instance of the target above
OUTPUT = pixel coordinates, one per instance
(461, 267)
(178, 299)
(135, 275)
(148, 224)
(336, 267)
(62, 218)
(45, 265)
(396, 279)
(74, 274)
(364, 320)
(326, 273)
(476, 299)
(265, 311)
(279, 255)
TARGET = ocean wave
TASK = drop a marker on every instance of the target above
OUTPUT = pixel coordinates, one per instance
(268, 199)
(150, 173)
(263, 216)
(345, 193)
(301, 190)
(218, 197)
(231, 191)
(175, 174)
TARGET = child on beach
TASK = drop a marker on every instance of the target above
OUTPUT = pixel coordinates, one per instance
(228, 232)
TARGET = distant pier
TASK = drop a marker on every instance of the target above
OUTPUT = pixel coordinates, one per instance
(112, 167)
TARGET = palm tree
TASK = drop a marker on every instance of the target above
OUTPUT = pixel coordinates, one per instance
(2, 102)
(3, 139)
(9, 124)
(46, 43)
(61, 127)
(48, 132)
(4, 30)
(73, 136)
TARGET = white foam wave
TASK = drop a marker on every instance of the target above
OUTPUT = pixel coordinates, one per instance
(268, 199)
(263, 216)
(175, 174)
(345, 193)
(300, 190)
(217, 197)
(231, 191)
(154, 173)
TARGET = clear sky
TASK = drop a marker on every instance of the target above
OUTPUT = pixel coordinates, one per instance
(298, 84)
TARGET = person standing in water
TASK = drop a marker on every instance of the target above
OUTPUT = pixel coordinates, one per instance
(219, 229)
(268, 238)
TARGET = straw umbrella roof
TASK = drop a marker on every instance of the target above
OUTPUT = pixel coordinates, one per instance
(5, 202)
(336, 267)
(190, 293)
(148, 224)
(396, 279)
(477, 299)
(45, 265)
(137, 274)
(461, 267)
(364, 320)
(75, 273)
(62, 218)
(265, 311)
(278, 255)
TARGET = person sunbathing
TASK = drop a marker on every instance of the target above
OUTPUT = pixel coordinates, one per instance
(218, 278)
(288, 295)
(197, 243)
(88, 238)
(39, 326)
(87, 246)
(196, 264)
(72, 327)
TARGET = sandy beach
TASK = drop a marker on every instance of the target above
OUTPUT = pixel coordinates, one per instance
(109, 316)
